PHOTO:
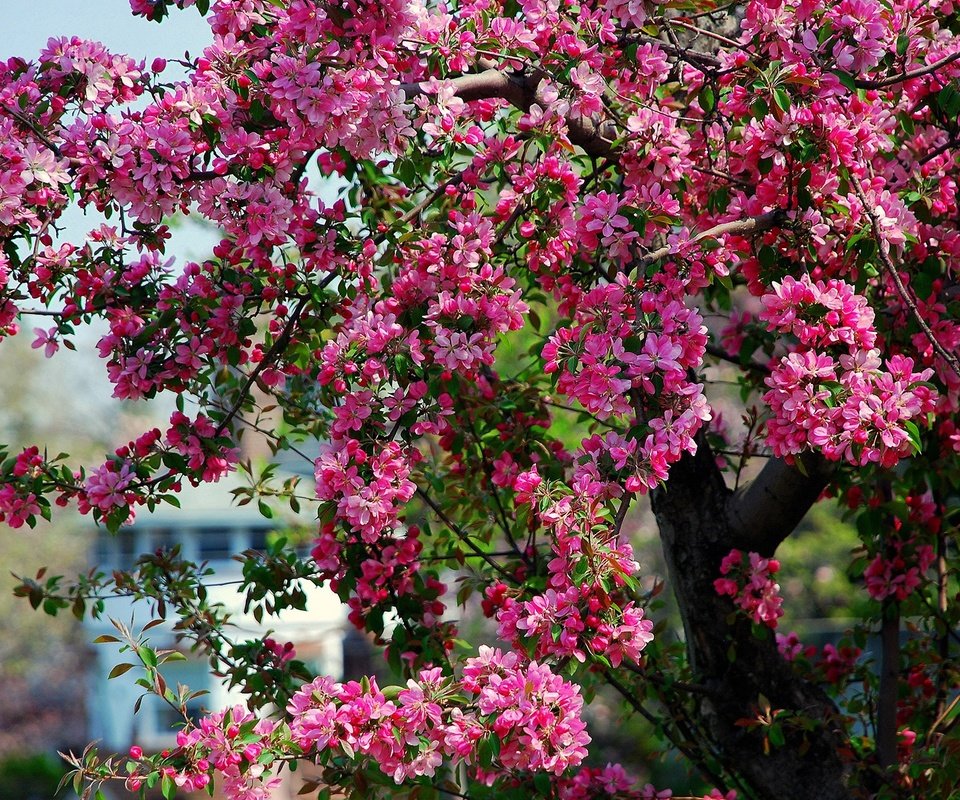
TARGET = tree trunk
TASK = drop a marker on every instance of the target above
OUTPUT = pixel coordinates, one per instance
(733, 661)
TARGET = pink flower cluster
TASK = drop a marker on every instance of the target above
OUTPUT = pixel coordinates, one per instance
(630, 13)
(108, 486)
(834, 663)
(623, 339)
(232, 744)
(533, 714)
(582, 611)
(17, 505)
(837, 663)
(380, 574)
(752, 586)
(790, 646)
(832, 393)
(628, 353)
(899, 570)
(376, 321)
(590, 782)
(369, 492)
(207, 458)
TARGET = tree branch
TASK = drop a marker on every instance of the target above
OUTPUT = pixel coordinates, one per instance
(34, 129)
(464, 537)
(703, 32)
(698, 58)
(520, 90)
(919, 72)
(719, 353)
(765, 511)
(491, 83)
(883, 250)
(751, 225)
(886, 733)
(733, 660)
(268, 360)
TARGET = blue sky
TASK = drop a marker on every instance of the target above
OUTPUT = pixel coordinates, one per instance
(25, 28)
(24, 31)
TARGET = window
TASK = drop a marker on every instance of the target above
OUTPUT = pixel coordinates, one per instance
(258, 539)
(162, 538)
(214, 544)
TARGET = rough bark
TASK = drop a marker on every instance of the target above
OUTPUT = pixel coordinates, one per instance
(734, 664)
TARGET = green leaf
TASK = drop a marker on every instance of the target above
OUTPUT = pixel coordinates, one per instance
(782, 98)
(176, 655)
(542, 783)
(147, 655)
(119, 670)
(914, 433)
(948, 98)
(775, 734)
(846, 79)
(767, 257)
(708, 99)
(167, 787)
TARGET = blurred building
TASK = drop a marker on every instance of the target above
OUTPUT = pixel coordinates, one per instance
(208, 529)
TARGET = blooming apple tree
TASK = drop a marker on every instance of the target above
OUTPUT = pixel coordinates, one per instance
(642, 197)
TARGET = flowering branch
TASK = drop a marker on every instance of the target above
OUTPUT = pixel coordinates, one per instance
(464, 536)
(919, 72)
(521, 91)
(739, 227)
(34, 128)
(883, 249)
(278, 347)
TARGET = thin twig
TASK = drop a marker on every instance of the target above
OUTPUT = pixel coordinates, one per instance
(39, 312)
(906, 76)
(430, 199)
(282, 341)
(938, 151)
(883, 249)
(702, 32)
(943, 641)
(488, 471)
(711, 11)
(718, 352)
(595, 418)
(946, 713)
(464, 536)
(622, 511)
(34, 128)
(683, 747)
(886, 733)
(721, 175)
(750, 225)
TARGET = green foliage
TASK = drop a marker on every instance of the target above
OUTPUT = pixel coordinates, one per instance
(813, 580)
(31, 777)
